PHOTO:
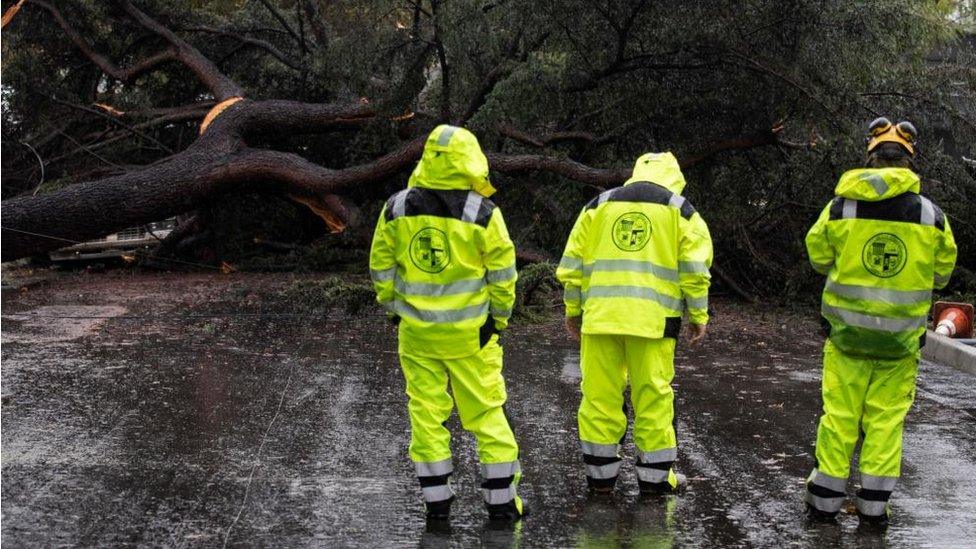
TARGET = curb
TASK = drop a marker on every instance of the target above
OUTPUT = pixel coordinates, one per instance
(945, 350)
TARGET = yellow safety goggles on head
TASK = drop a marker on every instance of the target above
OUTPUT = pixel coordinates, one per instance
(881, 130)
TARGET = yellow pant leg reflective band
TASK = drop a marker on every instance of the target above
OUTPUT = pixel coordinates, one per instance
(599, 450)
(657, 456)
(434, 468)
(871, 507)
(871, 482)
(501, 470)
(653, 475)
(437, 493)
(499, 496)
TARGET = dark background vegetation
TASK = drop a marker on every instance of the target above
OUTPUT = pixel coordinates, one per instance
(599, 82)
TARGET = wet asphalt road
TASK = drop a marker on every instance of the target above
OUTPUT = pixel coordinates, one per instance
(292, 432)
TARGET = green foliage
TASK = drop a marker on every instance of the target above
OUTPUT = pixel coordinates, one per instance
(537, 292)
(321, 296)
(691, 77)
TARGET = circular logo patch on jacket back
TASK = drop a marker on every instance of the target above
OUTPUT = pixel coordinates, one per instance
(429, 250)
(884, 255)
(631, 231)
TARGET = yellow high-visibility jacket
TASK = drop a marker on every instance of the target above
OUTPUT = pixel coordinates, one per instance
(441, 258)
(638, 256)
(883, 247)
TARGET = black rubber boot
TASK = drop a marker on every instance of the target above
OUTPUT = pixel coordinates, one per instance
(872, 522)
(816, 515)
(439, 510)
(506, 512)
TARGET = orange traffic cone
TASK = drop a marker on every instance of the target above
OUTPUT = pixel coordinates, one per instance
(953, 319)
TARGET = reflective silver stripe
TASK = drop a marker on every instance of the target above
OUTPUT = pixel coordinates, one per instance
(871, 322)
(871, 482)
(471, 207)
(434, 468)
(697, 302)
(877, 182)
(437, 493)
(599, 450)
(676, 201)
(384, 275)
(657, 456)
(836, 484)
(822, 268)
(637, 292)
(452, 315)
(445, 137)
(942, 280)
(572, 293)
(850, 209)
(500, 470)
(500, 496)
(928, 212)
(501, 275)
(871, 507)
(648, 474)
(604, 196)
(602, 472)
(827, 505)
(437, 290)
(400, 203)
(631, 265)
(570, 263)
(692, 267)
(902, 297)
(500, 313)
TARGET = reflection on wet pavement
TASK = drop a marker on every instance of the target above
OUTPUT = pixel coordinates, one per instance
(287, 433)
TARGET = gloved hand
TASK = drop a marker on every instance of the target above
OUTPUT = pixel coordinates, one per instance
(486, 331)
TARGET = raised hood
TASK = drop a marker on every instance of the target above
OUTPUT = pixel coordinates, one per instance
(873, 184)
(660, 168)
(452, 159)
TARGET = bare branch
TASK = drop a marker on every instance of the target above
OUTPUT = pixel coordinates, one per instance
(251, 41)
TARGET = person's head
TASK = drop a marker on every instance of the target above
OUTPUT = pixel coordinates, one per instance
(891, 145)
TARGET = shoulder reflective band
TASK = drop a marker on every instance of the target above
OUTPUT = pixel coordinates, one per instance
(871, 322)
(676, 201)
(437, 290)
(632, 265)
(471, 207)
(877, 182)
(445, 137)
(850, 209)
(897, 297)
(927, 216)
(400, 203)
(500, 275)
(450, 315)
(637, 292)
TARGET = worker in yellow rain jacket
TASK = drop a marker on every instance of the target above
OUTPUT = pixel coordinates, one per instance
(637, 258)
(443, 265)
(883, 248)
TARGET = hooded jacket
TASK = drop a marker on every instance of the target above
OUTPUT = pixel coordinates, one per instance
(883, 247)
(638, 256)
(441, 259)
